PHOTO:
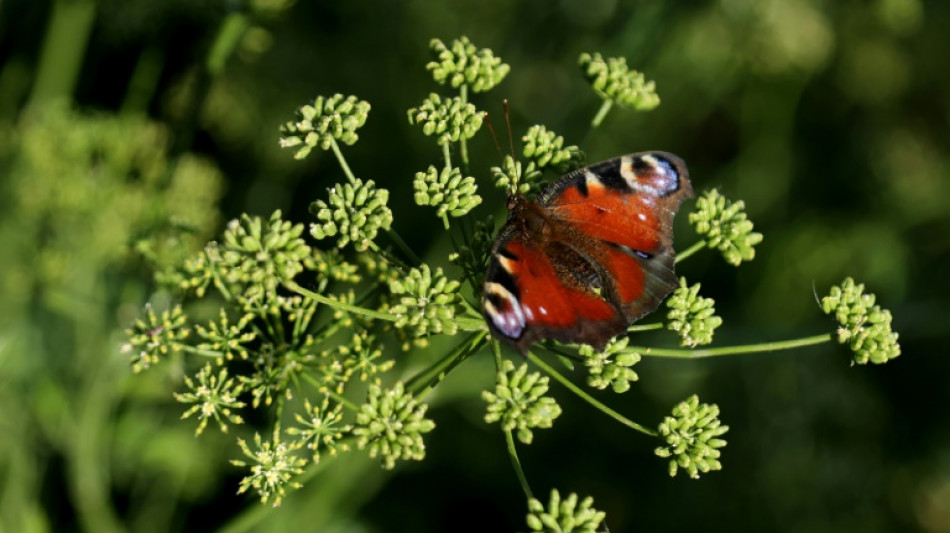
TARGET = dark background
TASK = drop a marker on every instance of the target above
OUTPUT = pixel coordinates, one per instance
(829, 119)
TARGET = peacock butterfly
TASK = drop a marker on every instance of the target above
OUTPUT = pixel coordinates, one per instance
(592, 254)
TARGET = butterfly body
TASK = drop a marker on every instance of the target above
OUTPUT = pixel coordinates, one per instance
(589, 256)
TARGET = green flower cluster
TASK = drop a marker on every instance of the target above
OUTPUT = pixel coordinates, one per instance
(513, 178)
(328, 120)
(446, 189)
(213, 396)
(692, 439)
(613, 80)
(863, 325)
(355, 212)
(359, 357)
(611, 367)
(724, 225)
(463, 64)
(273, 464)
(260, 256)
(226, 338)
(546, 148)
(329, 264)
(156, 336)
(564, 516)
(519, 401)
(427, 302)
(450, 119)
(321, 428)
(692, 316)
(391, 424)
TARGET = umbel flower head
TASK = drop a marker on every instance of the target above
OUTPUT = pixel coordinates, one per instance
(391, 424)
(354, 213)
(613, 80)
(546, 148)
(612, 366)
(692, 316)
(463, 64)
(450, 119)
(519, 401)
(262, 256)
(862, 325)
(692, 437)
(155, 335)
(724, 225)
(515, 179)
(447, 190)
(273, 464)
(564, 515)
(328, 120)
(427, 302)
(213, 396)
(321, 428)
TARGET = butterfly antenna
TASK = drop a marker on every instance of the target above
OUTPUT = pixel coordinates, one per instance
(494, 137)
(511, 141)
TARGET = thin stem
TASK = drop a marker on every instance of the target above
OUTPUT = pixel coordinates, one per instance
(732, 350)
(447, 155)
(690, 251)
(423, 382)
(293, 286)
(645, 327)
(342, 161)
(516, 464)
(549, 370)
(403, 247)
(601, 113)
(199, 351)
(463, 145)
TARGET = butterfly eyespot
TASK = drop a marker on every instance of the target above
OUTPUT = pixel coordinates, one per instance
(590, 256)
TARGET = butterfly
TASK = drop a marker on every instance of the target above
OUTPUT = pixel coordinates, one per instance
(592, 254)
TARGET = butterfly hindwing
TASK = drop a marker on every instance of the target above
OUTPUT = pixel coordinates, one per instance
(594, 252)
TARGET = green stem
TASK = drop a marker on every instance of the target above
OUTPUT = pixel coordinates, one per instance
(342, 161)
(463, 144)
(516, 464)
(645, 327)
(403, 247)
(447, 155)
(732, 350)
(293, 286)
(198, 351)
(61, 57)
(424, 381)
(690, 251)
(229, 35)
(601, 113)
(549, 370)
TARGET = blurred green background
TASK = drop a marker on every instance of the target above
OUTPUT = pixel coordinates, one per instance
(126, 118)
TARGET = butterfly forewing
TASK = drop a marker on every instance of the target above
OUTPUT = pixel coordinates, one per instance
(592, 255)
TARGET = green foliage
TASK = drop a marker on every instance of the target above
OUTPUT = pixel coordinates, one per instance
(692, 438)
(564, 516)
(863, 325)
(391, 424)
(327, 120)
(724, 225)
(613, 80)
(692, 316)
(519, 402)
